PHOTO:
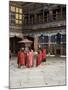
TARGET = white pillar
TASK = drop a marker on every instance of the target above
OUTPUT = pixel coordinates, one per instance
(49, 43)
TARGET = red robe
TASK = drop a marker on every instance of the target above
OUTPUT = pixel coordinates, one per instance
(25, 58)
(30, 59)
(21, 58)
(44, 54)
(39, 59)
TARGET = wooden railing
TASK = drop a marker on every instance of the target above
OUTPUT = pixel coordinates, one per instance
(45, 25)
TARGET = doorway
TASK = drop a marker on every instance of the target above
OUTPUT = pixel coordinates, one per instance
(57, 51)
(14, 45)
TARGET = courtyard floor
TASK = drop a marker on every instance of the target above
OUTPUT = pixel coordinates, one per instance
(51, 73)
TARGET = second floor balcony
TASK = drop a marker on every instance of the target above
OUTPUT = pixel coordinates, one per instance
(57, 23)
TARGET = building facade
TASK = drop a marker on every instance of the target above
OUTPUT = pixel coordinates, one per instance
(15, 26)
(45, 25)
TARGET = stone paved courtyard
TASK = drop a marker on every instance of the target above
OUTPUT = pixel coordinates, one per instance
(51, 73)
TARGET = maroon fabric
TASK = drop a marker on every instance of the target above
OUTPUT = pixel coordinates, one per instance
(39, 59)
(25, 58)
(21, 58)
(30, 59)
(43, 54)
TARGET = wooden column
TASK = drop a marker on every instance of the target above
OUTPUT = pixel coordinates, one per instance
(55, 45)
(39, 19)
(36, 43)
(50, 15)
(43, 15)
(28, 18)
(32, 19)
(56, 15)
(35, 17)
(61, 13)
(49, 44)
(61, 48)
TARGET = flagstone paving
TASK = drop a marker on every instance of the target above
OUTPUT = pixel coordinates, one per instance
(51, 73)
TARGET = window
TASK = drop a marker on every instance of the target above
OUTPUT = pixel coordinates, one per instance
(12, 16)
(12, 22)
(58, 38)
(26, 19)
(17, 16)
(54, 14)
(43, 39)
(57, 14)
(31, 19)
(63, 39)
(46, 14)
(12, 9)
(20, 16)
(53, 38)
(64, 12)
(20, 10)
(20, 22)
(17, 10)
(16, 21)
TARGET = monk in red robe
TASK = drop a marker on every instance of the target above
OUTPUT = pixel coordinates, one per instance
(44, 55)
(25, 58)
(21, 58)
(30, 58)
(39, 58)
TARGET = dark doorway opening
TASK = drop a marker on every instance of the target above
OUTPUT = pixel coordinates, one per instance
(58, 52)
(14, 44)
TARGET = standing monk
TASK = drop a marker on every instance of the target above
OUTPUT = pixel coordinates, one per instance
(25, 58)
(39, 58)
(44, 55)
(30, 58)
(21, 58)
